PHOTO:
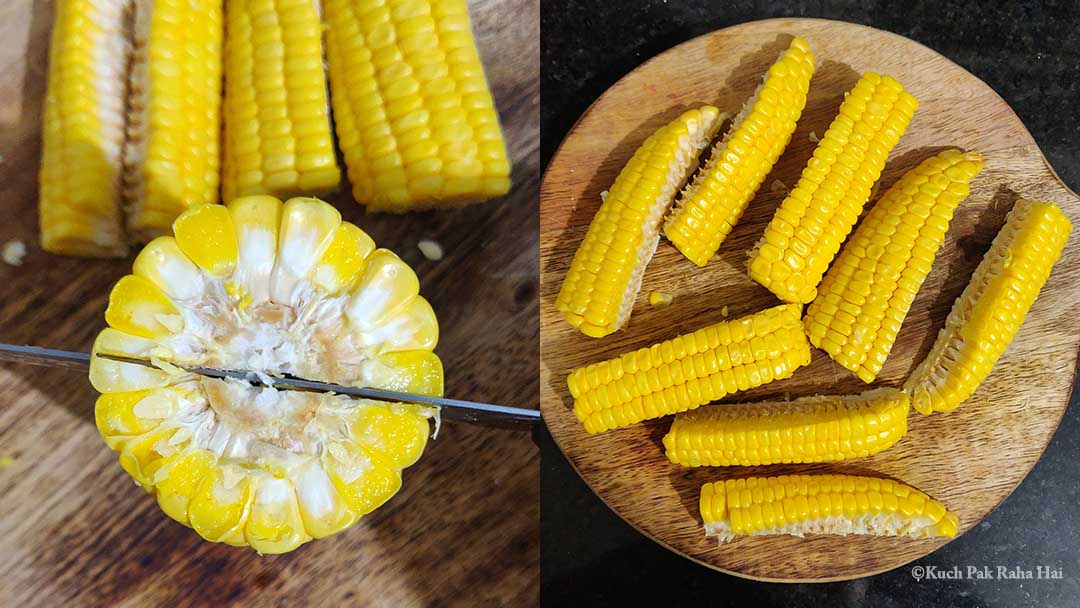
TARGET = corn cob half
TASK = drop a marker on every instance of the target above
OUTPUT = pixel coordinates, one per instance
(276, 289)
(987, 315)
(83, 129)
(605, 276)
(278, 137)
(690, 370)
(866, 294)
(817, 215)
(811, 429)
(414, 115)
(798, 505)
(710, 206)
(172, 151)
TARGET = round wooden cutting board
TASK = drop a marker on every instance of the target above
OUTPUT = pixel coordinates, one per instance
(970, 459)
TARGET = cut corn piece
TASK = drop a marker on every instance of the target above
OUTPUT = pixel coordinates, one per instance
(798, 505)
(83, 130)
(690, 370)
(867, 292)
(605, 276)
(276, 110)
(986, 317)
(275, 289)
(811, 429)
(817, 215)
(171, 156)
(414, 115)
(710, 206)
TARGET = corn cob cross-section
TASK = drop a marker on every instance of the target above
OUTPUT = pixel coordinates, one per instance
(605, 276)
(276, 290)
(690, 370)
(83, 130)
(414, 115)
(987, 315)
(798, 505)
(712, 204)
(815, 218)
(278, 137)
(811, 429)
(868, 291)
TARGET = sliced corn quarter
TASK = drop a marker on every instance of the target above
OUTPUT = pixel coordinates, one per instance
(710, 206)
(83, 130)
(690, 370)
(275, 289)
(798, 505)
(278, 138)
(414, 116)
(171, 157)
(811, 429)
(817, 215)
(987, 315)
(605, 275)
(863, 299)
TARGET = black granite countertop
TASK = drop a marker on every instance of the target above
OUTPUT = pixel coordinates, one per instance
(1029, 52)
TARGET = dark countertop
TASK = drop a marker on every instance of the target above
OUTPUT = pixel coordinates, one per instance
(1029, 53)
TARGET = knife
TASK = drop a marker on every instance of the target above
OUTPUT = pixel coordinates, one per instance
(455, 409)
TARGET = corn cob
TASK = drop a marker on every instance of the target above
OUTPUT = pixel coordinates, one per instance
(414, 115)
(277, 290)
(174, 120)
(811, 429)
(865, 296)
(83, 130)
(690, 370)
(817, 215)
(986, 317)
(798, 505)
(710, 207)
(605, 276)
(277, 116)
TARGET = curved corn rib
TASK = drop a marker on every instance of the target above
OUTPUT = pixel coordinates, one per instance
(811, 429)
(598, 293)
(986, 317)
(690, 370)
(817, 215)
(710, 207)
(798, 505)
(868, 291)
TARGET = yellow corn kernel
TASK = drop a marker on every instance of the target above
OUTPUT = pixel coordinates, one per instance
(863, 299)
(799, 431)
(710, 207)
(344, 259)
(986, 317)
(817, 215)
(137, 307)
(605, 276)
(205, 234)
(690, 370)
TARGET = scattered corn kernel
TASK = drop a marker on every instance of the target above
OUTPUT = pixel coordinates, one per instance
(430, 249)
(13, 252)
(659, 299)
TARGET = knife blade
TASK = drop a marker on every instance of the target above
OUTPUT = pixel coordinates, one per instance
(456, 409)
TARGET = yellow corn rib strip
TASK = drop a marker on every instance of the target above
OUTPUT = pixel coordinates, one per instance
(691, 370)
(710, 207)
(83, 130)
(817, 215)
(862, 301)
(414, 115)
(811, 429)
(821, 504)
(278, 137)
(986, 317)
(174, 121)
(605, 276)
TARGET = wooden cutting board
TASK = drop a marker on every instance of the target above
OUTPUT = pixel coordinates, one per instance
(74, 529)
(970, 459)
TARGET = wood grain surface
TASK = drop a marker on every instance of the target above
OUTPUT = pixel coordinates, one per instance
(970, 459)
(75, 531)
